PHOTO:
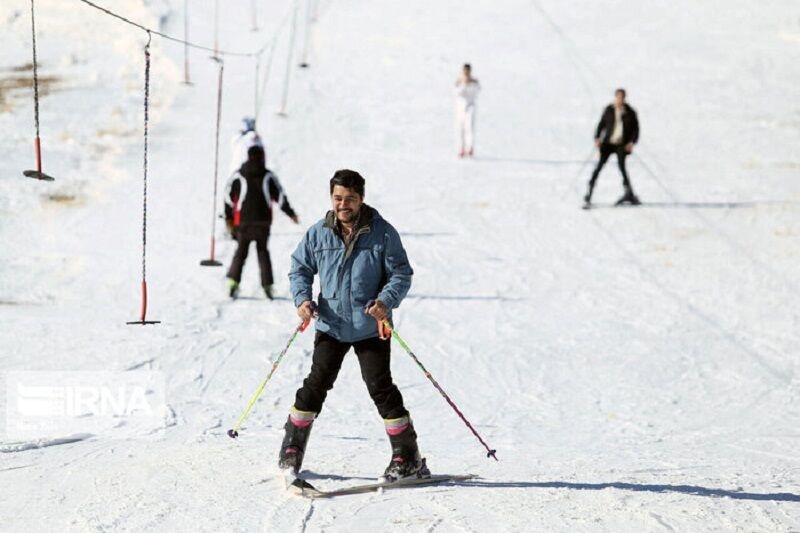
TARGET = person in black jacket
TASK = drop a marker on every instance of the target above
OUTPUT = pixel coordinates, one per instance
(251, 194)
(617, 132)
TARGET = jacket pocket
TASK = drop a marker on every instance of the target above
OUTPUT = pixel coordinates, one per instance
(367, 273)
(329, 264)
(328, 309)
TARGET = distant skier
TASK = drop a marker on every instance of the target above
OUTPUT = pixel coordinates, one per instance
(617, 132)
(240, 144)
(252, 192)
(467, 89)
(361, 262)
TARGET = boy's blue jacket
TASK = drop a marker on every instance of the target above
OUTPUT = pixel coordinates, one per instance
(373, 266)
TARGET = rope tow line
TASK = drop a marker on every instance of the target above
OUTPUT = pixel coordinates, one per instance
(36, 174)
(143, 316)
(176, 39)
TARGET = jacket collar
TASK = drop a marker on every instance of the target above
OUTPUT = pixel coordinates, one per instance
(625, 108)
(365, 217)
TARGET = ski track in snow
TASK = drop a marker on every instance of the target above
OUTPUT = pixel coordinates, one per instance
(634, 368)
(41, 443)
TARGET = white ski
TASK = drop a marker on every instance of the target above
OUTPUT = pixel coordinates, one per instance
(302, 487)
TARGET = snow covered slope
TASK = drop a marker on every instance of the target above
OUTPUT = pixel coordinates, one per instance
(636, 369)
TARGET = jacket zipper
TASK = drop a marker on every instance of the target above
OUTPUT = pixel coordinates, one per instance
(349, 251)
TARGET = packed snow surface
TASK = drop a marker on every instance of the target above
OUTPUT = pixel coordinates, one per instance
(635, 368)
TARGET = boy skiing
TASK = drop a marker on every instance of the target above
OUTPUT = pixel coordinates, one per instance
(252, 191)
(240, 144)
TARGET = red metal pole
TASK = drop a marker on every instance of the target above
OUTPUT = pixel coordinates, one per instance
(38, 155)
(144, 299)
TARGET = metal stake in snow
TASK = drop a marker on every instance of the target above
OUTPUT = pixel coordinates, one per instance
(36, 174)
(306, 35)
(292, 35)
(491, 452)
(142, 321)
(272, 44)
(256, 87)
(211, 261)
(186, 80)
(254, 15)
(216, 28)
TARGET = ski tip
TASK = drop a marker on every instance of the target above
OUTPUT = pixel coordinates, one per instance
(301, 487)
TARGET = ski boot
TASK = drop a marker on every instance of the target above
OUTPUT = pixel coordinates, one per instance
(268, 292)
(233, 288)
(293, 448)
(587, 198)
(629, 198)
(406, 460)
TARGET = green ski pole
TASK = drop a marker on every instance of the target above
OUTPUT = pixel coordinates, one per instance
(233, 433)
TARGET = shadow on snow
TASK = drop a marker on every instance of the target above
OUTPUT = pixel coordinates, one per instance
(692, 490)
(691, 205)
(460, 297)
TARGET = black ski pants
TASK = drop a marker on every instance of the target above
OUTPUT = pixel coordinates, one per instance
(373, 357)
(605, 152)
(247, 233)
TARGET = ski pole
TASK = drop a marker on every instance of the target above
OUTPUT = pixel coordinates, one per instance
(233, 433)
(402, 343)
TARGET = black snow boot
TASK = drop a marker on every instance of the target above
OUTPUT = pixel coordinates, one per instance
(293, 447)
(406, 460)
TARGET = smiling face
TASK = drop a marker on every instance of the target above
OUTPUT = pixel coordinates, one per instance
(346, 204)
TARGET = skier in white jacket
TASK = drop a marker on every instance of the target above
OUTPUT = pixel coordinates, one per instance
(240, 144)
(467, 89)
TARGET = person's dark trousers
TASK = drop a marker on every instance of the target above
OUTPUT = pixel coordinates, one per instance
(373, 357)
(247, 233)
(605, 152)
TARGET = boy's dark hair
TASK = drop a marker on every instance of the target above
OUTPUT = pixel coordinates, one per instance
(620, 90)
(467, 65)
(255, 153)
(349, 179)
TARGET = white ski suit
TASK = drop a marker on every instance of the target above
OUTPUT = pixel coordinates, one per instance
(466, 95)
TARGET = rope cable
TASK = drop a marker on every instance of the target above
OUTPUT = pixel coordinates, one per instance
(146, 129)
(169, 37)
(35, 74)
